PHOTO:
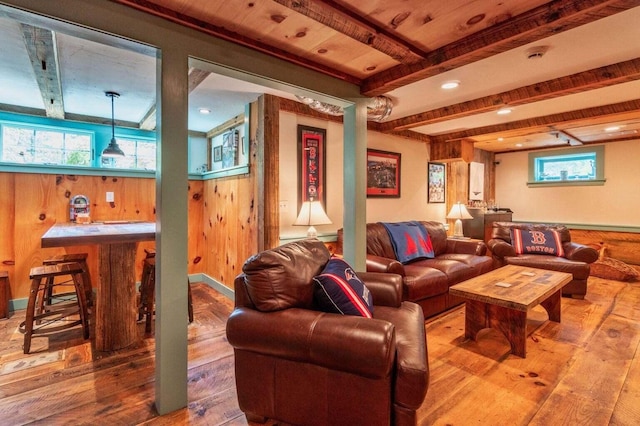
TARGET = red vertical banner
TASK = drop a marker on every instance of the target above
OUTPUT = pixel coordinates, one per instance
(311, 161)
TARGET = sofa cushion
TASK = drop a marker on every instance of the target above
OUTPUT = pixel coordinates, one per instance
(410, 241)
(540, 241)
(339, 290)
(282, 277)
(579, 270)
(421, 282)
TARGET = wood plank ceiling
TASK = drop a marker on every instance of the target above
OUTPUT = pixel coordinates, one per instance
(387, 45)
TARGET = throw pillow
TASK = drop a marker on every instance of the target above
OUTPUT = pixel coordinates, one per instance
(339, 290)
(536, 241)
(410, 241)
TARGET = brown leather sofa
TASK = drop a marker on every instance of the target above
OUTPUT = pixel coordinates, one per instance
(575, 261)
(427, 281)
(298, 365)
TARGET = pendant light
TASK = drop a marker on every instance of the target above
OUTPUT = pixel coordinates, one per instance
(112, 150)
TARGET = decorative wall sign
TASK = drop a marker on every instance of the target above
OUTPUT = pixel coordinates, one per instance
(383, 173)
(476, 181)
(436, 186)
(230, 142)
(311, 164)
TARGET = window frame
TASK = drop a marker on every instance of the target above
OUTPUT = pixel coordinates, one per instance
(598, 150)
(136, 140)
(53, 129)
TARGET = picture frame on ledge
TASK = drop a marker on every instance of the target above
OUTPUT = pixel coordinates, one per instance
(383, 173)
(311, 164)
(436, 182)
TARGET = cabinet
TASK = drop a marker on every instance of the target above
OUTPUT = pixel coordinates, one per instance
(481, 225)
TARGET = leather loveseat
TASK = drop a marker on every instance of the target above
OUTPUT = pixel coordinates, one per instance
(575, 258)
(427, 281)
(298, 365)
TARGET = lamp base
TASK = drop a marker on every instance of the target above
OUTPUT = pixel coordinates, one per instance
(457, 229)
(311, 232)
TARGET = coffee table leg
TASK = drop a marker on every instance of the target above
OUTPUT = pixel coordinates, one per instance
(513, 324)
(475, 318)
(552, 306)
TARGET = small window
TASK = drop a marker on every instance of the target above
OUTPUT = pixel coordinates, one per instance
(573, 166)
(139, 154)
(42, 145)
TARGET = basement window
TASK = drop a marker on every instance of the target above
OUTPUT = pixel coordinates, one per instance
(44, 145)
(139, 154)
(572, 166)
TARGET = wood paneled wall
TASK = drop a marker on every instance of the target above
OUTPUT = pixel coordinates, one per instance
(31, 203)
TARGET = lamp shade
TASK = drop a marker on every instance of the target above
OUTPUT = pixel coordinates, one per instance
(458, 212)
(312, 213)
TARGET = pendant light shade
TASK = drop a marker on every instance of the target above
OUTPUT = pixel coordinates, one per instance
(112, 150)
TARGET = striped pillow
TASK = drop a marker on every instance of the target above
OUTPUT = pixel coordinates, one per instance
(533, 241)
(340, 291)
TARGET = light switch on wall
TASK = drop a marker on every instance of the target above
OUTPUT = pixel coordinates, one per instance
(110, 197)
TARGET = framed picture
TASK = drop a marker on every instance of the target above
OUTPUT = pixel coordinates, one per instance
(436, 183)
(383, 173)
(476, 181)
(217, 153)
(311, 164)
(230, 149)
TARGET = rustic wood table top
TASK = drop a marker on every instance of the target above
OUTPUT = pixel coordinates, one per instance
(69, 234)
(512, 286)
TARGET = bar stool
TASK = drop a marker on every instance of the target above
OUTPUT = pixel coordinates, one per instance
(147, 291)
(81, 259)
(40, 284)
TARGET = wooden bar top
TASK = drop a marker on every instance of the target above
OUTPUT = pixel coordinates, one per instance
(72, 234)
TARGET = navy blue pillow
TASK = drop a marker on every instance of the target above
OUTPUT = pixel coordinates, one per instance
(546, 241)
(340, 291)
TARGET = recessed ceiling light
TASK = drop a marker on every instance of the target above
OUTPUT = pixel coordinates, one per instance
(612, 129)
(519, 145)
(500, 139)
(448, 85)
(504, 111)
(204, 110)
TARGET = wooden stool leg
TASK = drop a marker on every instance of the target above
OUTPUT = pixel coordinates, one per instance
(82, 303)
(31, 306)
(190, 307)
(149, 301)
(144, 285)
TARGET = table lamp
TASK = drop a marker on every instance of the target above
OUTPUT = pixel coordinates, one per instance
(312, 213)
(458, 212)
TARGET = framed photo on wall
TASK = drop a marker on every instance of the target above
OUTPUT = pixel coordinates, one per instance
(311, 164)
(436, 184)
(217, 153)
(383, 173)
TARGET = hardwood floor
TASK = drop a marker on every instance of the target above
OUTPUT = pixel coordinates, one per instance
(582, 371)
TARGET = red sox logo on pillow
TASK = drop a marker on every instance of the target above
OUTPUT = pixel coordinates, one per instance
(537, 242)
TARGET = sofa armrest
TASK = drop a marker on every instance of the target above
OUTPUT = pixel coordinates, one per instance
(386, 289)
(384, 264)
(500, 248)
(316, 338)
(474, 247)
(580, 252)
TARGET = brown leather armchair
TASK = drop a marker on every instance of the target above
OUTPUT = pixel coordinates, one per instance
(301, 366)
(575, 261)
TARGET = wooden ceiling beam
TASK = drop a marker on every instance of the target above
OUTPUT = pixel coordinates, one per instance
(536, 24)
(196, 77)
(43, 54)
(548, 123)
(337, 17)
(576, 83)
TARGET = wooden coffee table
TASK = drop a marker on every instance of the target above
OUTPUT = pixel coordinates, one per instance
(501, 299)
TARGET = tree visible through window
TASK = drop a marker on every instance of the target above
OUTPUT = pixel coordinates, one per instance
(139, 154)
(582, 164)
(40, 145)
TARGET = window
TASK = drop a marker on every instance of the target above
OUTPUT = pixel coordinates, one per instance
(42, 145)
(139, 154)
(573, 166)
